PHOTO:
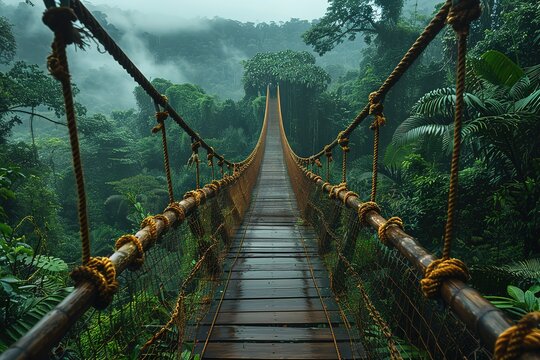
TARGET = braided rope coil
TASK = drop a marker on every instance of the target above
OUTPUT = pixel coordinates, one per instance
(178, 210)
(336, 189)
(519, 339)
(439, 271)
(363, 210)
(462, 13)
(198, 195)
(150, 225)
(132, 239)
(393, 221)
(347, 195)
(100, 272)
(165, 220)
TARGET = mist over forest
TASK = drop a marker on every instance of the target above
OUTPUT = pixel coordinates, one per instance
(202, 51)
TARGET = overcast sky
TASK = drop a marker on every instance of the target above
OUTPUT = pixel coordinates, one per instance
(243, 10)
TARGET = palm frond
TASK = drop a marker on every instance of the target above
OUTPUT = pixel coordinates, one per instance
(529, 104)
(520, 89)
(441, 103)
(416, 127)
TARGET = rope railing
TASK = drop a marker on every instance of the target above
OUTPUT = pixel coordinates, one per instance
(477, 313)
(53, 327)
(100, 34)
(444, 277)
(96, 279)
(430, 32)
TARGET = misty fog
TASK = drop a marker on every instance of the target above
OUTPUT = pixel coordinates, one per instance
(163, 48)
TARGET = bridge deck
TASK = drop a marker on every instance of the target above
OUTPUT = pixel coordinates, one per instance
(276, 302)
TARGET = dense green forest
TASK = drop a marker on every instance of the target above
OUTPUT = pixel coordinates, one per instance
(326, 72)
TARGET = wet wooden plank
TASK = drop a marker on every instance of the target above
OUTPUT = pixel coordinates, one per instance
(276, 318)
(278, 283)
(278, 274)
(265, 334)
(278, 261)
(248, 350)
(274, 305)
(301, 293)
(277, 267)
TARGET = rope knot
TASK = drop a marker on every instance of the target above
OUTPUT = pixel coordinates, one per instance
(336, 189)
(198, 195)
(393, 221)
(150, 222)
(60, 21)
(366, 207)
(210, 157)
(178, 210)
(318, 163)
(462, 13)
(158, 127)
(162, 116)
(100, 272)
(520, 338)
(439, 271)
(347, 195)
(126, 239)
(328, 152)
(56, 69)
(376, 109)
(343, 141)
(195, 146)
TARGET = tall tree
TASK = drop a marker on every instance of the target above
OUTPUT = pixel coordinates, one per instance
(7, 42)
(344, 19)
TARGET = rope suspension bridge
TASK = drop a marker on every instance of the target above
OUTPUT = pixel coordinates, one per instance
(270, 259)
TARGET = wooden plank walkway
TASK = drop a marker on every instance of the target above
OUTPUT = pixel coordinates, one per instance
(275, 301)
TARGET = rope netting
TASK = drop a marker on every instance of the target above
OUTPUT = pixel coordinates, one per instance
(432, 278)
(376, 277)
(176, 257)
(156, 311)
(379, 289)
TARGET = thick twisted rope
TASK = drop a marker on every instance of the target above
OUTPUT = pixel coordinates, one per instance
(132, 239)
(460, 17)
(100, 272)
(375, 109)
(60, 21)
(519, 339)
(99, 33)
(425, 38)
(161, 116)
(344, 143)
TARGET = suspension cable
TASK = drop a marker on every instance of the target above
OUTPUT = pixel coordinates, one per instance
(101, 35)
(425, 38)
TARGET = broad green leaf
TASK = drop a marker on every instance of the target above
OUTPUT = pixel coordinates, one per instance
(497, 68)
(516, 293)
(530, 300)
